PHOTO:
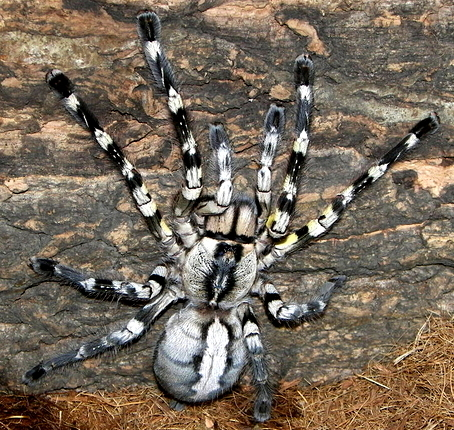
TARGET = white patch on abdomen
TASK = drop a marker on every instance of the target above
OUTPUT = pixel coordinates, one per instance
(214, 360)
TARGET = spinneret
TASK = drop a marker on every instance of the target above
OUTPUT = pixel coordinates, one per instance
(218, 249)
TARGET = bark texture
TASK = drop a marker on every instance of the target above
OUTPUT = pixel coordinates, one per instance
(380, 67)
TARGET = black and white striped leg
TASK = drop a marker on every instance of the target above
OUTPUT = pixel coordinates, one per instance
(273, 129)
(149, 28)
(296, 313)
(132, 331)
(278, 222)
(257, 360)
(222, 159)
(319, 226)
(77, 107)
(103, 288)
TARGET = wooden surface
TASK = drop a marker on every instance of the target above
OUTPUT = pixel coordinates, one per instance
(379, 70)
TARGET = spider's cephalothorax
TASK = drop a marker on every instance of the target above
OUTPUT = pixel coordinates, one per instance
(218, 246)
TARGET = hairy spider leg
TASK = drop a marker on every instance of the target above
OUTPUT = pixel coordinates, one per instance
(278, 222)
(222, 160)
(104, 288)
(222, 152)
(296, 313)
(149, 28)
(257, 360)
(273, 129)
(131, 332)
(145, 203)
(319, 226)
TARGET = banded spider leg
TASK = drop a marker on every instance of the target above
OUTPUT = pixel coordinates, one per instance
(283, 312)
(156, 291)
(332, 213)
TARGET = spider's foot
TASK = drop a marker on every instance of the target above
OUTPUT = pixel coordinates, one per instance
(327, 289)
(43, 266)
(304, 70)
(176, 405)
(426, 125)
(149, 26)
(338, 281)
(262, 407)
(34, 374)
(59, 82)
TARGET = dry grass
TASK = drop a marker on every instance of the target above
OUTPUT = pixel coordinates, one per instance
(413, 391)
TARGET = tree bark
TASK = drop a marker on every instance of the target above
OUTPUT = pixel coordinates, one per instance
(380, 67)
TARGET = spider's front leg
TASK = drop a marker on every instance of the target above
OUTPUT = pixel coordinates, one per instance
(145, 203)
(278, 222)
(273, 129)
(132, 331)
(103, 288)
(296, 313)
(149, 28)
(332, 213)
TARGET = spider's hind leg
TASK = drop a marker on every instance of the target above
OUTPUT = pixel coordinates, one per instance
(296, 313)
(103, 288)
(131, 332)
(257, 361)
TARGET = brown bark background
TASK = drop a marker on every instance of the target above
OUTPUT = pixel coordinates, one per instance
(380, 67)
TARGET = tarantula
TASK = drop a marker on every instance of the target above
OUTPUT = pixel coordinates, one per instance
(218, 247)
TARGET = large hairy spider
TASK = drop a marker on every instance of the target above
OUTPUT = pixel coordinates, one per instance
(218, 247)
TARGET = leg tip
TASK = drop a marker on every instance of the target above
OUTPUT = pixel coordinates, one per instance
(34, 374)
(149, 26)
(43, 266)
(338, 281)
(435, 120)
(59, 82)
(262, 410)
(304, 70)
(427, 125)
(275, 120)
(217, 136)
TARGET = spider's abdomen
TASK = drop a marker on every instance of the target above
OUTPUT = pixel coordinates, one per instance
(200, 355)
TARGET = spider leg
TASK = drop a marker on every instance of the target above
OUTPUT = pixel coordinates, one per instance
(296, 313)
(145, 203)
(319, 226)
(274, 126)
(132, 331)
(125, 290)
(222, 154)
(223, 160)
(278, 222)
(149, 28)
(257, 359)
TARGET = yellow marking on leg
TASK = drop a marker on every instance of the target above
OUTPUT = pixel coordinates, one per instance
(270, 220)
(165, 228)
(287, 241)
